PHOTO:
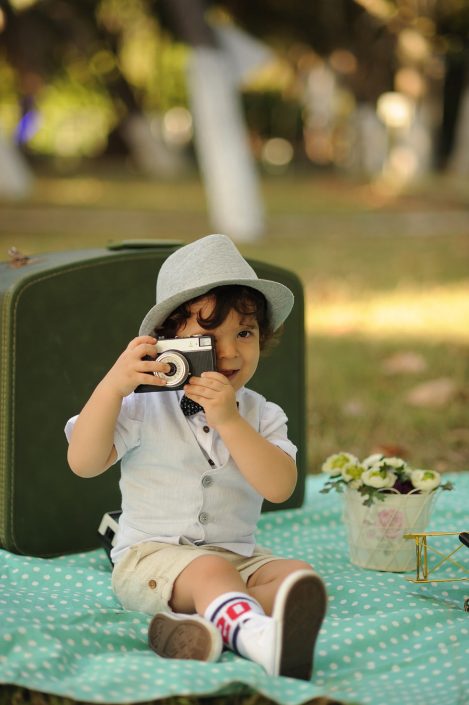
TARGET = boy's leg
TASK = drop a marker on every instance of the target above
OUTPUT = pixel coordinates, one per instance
(208, 584)
(288, 590)
(264, 583)
(211, 586)
(202, 581)
(296, 598)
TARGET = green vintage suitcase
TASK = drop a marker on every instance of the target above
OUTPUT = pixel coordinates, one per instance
(65, 318)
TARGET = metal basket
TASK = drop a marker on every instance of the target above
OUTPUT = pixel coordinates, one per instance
(375, 534)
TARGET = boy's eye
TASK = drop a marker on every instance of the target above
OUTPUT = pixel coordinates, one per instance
(245, 333)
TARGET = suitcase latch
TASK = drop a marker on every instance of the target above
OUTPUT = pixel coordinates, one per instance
(17, 258)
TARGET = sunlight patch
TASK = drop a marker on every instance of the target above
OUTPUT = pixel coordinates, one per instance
(439, 313)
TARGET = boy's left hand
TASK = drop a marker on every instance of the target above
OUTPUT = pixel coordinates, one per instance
(214, 392)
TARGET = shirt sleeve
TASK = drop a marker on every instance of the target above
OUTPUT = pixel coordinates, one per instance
(128, 425)
(127, 430)
(273, 427)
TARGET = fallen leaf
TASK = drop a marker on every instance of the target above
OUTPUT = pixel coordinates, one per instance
(391, 450)
(433, 394)
(404, 363)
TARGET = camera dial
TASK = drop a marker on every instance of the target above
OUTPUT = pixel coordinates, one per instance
(179, 371)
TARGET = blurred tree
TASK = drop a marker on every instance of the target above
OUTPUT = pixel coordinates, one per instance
(325, 25)
(80, 41)
(381, 34)
(370, 46)
(452, 22)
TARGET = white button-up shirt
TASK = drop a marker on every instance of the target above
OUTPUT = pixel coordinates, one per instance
(178, 482)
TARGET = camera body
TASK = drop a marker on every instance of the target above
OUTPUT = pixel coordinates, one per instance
(186, 356)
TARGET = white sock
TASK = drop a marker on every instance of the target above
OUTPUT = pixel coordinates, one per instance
(232, 612)
(255, 639)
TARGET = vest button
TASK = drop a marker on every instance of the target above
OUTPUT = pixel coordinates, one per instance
(206, 429)
(207, 481)
(211, 463)
(152, 584)
(203, 518)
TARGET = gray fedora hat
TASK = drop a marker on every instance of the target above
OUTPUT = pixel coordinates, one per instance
(196, 268)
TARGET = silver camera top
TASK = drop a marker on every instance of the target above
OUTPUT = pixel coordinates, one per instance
(192, 343)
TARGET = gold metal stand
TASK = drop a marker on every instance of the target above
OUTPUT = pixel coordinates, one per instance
(423, 571)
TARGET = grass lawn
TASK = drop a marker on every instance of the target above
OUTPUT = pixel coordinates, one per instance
(387, 287)
(386, 281)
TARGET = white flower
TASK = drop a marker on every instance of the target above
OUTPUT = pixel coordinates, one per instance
(395, 466)
(379, 479)
(375, 473)
(425, 480)
(372, 460)
(352, 472)
(396, 463)
(355, 484)
(333, 465)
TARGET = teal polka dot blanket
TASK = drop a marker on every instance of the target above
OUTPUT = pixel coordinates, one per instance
(385, 640)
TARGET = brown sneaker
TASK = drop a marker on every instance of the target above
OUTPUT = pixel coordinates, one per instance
(299, 608)
(284, 643)
(186, 636)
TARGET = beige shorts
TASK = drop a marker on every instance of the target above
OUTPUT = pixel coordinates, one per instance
(143, 579)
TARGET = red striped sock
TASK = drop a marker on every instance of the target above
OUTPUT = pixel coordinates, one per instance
(228, 612)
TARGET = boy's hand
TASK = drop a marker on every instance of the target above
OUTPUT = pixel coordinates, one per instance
(130, 368)
(214, 392)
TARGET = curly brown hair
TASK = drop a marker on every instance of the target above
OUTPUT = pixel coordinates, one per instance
(243, 299)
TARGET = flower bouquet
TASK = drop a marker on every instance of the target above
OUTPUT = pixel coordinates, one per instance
(376, 474)
(385, 499)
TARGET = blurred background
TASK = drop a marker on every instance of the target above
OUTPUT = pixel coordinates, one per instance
(330, 137)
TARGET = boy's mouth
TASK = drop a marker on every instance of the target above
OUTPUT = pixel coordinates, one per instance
(229, 374)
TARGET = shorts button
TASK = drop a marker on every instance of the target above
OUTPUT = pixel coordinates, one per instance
(203, 518)
(152, 584)
(207, 481)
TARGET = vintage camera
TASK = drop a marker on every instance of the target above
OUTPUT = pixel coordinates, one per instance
(186, 357)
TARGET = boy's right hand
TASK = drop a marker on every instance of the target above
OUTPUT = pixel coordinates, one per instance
(130, 368)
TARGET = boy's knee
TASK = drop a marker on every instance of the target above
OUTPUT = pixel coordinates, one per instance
(300, 565)
(208, 566)
(285, 567)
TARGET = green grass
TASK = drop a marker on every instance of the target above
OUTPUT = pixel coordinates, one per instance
(383, 274)
(362, 409)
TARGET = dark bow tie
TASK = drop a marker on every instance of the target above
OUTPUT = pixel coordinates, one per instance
(189, 408)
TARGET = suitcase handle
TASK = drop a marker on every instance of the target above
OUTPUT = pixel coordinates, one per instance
(143, 244)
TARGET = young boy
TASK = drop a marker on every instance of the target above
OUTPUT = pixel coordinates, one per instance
(195, 467)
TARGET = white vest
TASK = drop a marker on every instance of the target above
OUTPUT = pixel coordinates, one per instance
(171, 493)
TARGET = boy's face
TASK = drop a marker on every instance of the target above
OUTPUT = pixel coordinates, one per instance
(237, 342)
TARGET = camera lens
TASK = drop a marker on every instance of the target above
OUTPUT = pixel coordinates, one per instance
(179, 368)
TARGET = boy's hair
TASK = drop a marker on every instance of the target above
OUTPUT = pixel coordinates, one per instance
(243, 299)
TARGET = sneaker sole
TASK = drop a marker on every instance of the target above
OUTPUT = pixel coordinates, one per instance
(299, 610)
(187, 638)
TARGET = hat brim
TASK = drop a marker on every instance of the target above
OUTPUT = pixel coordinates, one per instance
(279, 301)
